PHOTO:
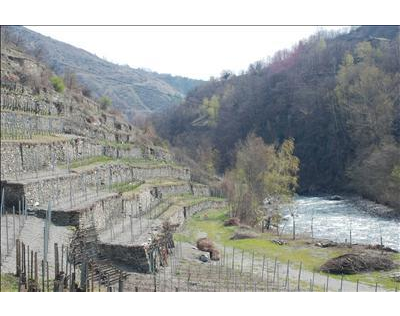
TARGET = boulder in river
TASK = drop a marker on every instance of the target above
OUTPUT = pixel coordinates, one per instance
(335, 198)
(354, 263)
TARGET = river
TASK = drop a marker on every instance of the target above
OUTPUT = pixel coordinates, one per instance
(333, 220)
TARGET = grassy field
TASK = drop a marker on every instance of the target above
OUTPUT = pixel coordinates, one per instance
(9, 283)
(300, 250)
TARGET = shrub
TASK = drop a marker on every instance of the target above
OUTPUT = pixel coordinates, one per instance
(58, 83)
(86, 92)
(105, 102)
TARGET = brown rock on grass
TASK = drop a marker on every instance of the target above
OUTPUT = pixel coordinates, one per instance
(214, 255)
(205, 244)
(234, 221)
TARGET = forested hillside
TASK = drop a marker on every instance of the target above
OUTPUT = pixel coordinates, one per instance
(336, 95)
(129, 89)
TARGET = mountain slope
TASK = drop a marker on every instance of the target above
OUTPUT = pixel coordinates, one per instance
(335, 94)
(129, 89)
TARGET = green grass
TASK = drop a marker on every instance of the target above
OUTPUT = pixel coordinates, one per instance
(149, 163)
(165, 182)
(382, 278)
(296, 251)
(189, 200)
(9, 283)
(125, 187)
(90, 161)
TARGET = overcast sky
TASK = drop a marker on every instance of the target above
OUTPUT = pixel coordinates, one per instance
(195, 52)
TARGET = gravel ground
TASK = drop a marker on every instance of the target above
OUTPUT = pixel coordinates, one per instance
(32, 235)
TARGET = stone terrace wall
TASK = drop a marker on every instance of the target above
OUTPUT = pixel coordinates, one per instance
(17, 101)
(56, 187)
(134, 256)
(200, 190)
(22, 156)
(19, 98)
(174, 189)
(101, 213)
(144, 198)
(116, 172)
(28, 122)
(178, 218)
(28, 157)
(134, 152)
(13, 192)
(41, 191)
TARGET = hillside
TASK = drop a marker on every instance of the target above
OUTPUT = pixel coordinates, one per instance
(337, 95)
(95, 173)
(130, 89)
(90, 202)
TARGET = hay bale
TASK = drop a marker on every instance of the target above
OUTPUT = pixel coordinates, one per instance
(234, 221)
(355, 263)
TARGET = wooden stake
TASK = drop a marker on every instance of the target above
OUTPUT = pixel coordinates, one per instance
(298, 281)
(262, 272)
(43, 273)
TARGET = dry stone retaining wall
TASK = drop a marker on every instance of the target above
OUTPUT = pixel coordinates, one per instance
(53, 188)
(34, 123)
(178, 218)
(25, 157)
(28, 103)
(134, 256)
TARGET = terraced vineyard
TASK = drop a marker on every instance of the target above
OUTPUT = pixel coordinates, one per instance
(69, 165)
